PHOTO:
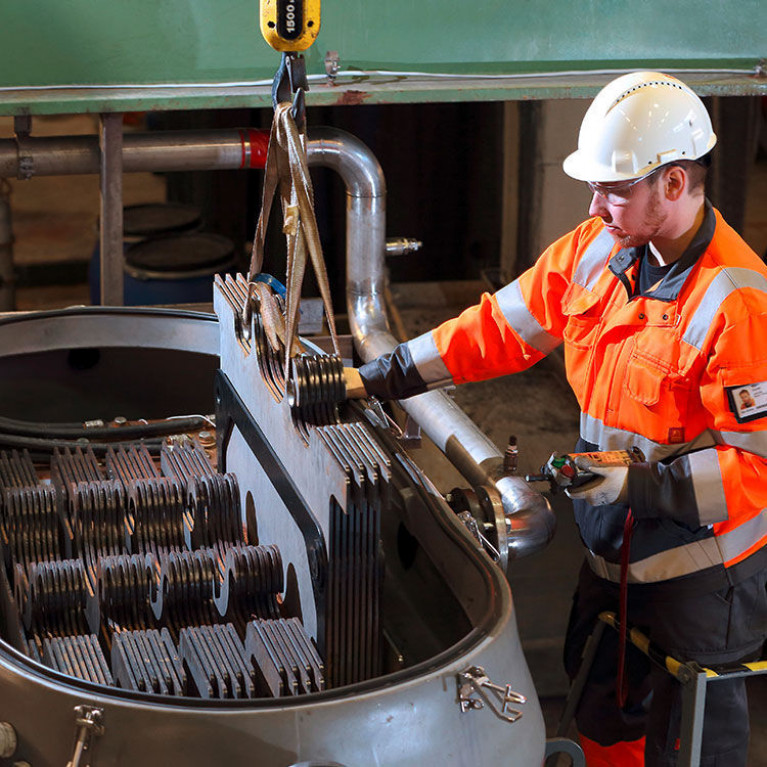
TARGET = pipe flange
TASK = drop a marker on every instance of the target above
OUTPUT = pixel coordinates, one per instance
(484, 506)
(492, 508)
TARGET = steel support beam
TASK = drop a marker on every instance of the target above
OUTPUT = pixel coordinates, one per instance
(111, 210)
(7, 278)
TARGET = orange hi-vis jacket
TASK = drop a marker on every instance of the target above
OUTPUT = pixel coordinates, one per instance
(678, 370)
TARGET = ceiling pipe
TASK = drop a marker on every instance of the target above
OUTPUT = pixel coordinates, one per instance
(524, 521)
(158, 152)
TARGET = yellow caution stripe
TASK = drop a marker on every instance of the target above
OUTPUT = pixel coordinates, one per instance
(671, 664)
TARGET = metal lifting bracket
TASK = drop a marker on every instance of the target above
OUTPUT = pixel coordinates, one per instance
(89, 722)
(474, 680)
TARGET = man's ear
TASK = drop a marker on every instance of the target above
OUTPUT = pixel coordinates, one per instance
(674, 182)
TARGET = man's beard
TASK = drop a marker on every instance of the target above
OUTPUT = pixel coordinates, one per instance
(654, 220)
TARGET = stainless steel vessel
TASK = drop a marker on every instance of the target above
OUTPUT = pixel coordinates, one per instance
(446, 612)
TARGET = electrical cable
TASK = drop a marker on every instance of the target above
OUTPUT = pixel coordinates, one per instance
(41, 445)
(621, 679)
(357, 75)
(170, 425)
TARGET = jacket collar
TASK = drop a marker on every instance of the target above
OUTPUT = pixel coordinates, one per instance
(669, 287)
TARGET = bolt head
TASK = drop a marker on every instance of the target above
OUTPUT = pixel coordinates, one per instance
(8, 740)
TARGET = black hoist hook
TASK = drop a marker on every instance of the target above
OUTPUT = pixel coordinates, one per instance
(290, 84)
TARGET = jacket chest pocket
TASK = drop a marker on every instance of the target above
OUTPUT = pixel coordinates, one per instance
(579, 307)
(651, 381)
(644, 380)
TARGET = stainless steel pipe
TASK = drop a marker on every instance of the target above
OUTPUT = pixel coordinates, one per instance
(529, 521)
(165, 151)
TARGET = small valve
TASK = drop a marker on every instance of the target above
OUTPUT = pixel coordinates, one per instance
(562, 471)
(511, 457)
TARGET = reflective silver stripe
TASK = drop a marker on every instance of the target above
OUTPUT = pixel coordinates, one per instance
(687, 559)
(673, 563)
(594, 260)
(612, 438)
(427, 361)
(512, 305)
(726, 282)
(750, 441)
(707, 484)
(743, 537)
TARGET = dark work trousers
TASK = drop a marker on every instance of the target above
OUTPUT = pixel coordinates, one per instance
(723, 626)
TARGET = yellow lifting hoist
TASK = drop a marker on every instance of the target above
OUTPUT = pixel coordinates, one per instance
(290, 25)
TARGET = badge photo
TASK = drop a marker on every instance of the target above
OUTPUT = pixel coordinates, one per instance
(749, 401)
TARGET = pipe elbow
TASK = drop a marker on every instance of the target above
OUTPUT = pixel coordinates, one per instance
(530, 522)
(350, 157)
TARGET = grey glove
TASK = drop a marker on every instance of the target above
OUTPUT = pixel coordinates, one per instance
(610, 485)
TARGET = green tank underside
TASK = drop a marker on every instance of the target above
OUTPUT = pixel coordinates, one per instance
(135, 55)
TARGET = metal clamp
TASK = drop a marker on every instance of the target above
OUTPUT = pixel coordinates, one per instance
(332, 65)
(375, 414)
(89, 722)
(474, 680)
(472, 525)
(26, 160)
(22, 128)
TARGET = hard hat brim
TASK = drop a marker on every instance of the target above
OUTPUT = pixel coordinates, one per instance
(585, 169)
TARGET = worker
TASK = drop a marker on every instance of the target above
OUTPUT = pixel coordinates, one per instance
(662, 309)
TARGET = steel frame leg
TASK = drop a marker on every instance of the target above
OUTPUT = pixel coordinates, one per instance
(576, 688)
(691, 725)
(560, 743)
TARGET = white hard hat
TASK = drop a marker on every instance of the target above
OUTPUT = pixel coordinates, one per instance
(637, 123)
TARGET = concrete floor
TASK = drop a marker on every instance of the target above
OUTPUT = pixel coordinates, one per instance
(55, 220)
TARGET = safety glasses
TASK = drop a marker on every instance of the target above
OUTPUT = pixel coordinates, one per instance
(616, 193)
